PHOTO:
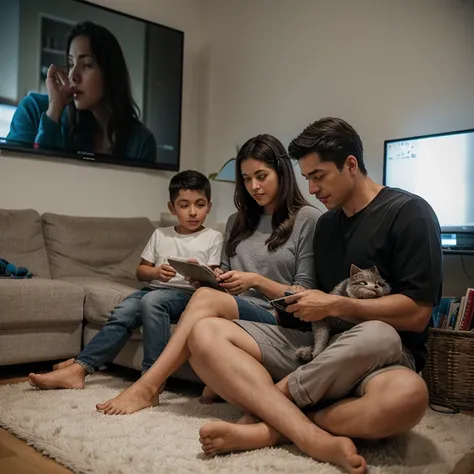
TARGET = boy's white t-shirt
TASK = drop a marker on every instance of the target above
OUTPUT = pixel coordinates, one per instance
(205, 246)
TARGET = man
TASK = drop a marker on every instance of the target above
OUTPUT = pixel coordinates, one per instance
(367, 378)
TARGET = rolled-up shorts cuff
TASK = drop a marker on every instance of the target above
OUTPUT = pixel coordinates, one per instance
(408, 362)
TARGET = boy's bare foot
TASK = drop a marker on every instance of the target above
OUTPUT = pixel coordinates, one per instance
(208, 396)
(221, 437)
(134, 398)
(69, 377)
(64, 364)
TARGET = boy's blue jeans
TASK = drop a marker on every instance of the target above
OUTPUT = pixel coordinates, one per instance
(154, 309)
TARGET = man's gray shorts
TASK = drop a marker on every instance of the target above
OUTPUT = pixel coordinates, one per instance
(368, 349)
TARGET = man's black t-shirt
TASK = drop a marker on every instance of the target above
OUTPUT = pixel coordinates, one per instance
(400, 234)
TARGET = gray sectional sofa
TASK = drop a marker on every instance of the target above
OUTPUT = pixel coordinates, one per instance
(82, 267)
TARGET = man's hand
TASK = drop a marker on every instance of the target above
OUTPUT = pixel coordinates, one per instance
(311, 305)
(165, 272)
(236, 282)
(218, 271)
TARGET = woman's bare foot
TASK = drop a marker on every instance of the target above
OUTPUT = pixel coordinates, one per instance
(134, 398)
(208, 396)
(69, 377)
(219, 437)
(64, 364)
(222, 437)
(248, 419)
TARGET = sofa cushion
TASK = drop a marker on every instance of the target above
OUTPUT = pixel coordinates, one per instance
(22, 242)
(93, 246)
(39, 302)
(101, 296)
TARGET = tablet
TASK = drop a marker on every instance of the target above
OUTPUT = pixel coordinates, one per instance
(197, 271)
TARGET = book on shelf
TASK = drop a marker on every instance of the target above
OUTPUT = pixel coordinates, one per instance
(455, 313)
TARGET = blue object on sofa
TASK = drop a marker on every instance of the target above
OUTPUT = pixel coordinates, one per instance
(10, 270)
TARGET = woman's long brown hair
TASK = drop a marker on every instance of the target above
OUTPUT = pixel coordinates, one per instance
(270, 151)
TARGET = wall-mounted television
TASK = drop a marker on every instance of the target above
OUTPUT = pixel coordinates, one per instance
(81, 81)
(439, 168)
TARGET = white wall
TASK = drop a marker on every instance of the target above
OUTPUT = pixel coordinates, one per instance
(390, 68)
(97, 190)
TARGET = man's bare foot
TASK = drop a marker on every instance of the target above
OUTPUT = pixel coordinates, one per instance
(208, 396)
(221, 437)
(69, 377)
(134, 398)
(64, 364)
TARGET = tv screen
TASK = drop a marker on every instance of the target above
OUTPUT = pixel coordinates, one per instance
(439, 168)
(82, 81)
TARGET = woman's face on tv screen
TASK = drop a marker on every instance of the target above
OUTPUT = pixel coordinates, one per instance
(85, 75)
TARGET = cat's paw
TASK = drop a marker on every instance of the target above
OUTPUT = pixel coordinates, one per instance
(305, 354)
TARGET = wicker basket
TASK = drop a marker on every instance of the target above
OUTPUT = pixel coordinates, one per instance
(449, 370)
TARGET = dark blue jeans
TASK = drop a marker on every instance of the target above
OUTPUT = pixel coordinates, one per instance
(155, 310)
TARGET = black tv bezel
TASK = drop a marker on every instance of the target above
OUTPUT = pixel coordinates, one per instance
(444, 229)
(77, 155)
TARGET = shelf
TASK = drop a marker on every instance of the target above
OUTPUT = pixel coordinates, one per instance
(53, 51)
(458, 252)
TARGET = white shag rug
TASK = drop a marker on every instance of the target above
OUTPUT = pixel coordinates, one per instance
(64, 425)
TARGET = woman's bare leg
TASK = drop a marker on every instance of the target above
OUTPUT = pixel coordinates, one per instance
(227, 358)
(208, 396)
(205, 303)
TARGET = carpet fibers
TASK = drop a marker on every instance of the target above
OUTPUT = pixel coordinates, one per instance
(64, 425)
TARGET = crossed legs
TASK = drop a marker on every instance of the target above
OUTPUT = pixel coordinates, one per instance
(392, 402)
(240, 378)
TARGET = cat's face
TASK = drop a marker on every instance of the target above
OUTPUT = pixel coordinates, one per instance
(365, 284)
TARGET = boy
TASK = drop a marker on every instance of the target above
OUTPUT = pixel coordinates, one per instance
(164, 299)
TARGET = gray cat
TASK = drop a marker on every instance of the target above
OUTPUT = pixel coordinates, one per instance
(362, 284)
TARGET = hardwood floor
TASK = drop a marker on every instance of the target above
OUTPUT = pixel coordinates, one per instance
(16, 457)
(19, 458)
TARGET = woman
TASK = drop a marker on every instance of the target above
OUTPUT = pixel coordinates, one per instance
(89, 109)
(267, 251)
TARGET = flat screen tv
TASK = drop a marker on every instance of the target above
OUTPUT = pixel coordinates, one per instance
(81, 81)
(439, 168)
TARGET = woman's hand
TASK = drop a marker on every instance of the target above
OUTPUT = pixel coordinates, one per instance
(165, 272)
(60, 92)
(236, 282)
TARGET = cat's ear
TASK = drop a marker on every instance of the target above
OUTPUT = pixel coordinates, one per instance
(354, 270)
(375, 270)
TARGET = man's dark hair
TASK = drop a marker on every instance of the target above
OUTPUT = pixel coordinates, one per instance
(332, 139)
(189, 179)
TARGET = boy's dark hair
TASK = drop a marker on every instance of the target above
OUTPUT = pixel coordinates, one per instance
(333, 139)
(189, 179)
